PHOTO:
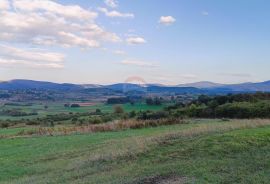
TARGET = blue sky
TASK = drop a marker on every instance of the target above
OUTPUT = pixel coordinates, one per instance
(161, 41)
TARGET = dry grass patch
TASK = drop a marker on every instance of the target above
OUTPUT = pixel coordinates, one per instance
(106, 127)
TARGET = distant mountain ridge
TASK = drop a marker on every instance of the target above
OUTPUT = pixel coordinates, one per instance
(242, 87)
(197, 87)
(259, 86)
(19, 84)
(202, 84)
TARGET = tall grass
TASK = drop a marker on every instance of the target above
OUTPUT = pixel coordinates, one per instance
(139, 124)
(90, 161)
(106, 127)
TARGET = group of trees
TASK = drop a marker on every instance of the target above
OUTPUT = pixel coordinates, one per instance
(72, 105)
(132, 100)
(17, 113)
(230, 98)
(118, 100)
(228, 106)
(149, 115)
(255, 105)
(4, 95)
(154, 101)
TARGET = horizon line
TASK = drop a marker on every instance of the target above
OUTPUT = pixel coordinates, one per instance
(1, 81)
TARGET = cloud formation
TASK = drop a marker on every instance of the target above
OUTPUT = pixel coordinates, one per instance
(115, 13)
(4, 5)
(167, 20)
(111, 3)
(47, 22)
(12, 56)
(135, 40)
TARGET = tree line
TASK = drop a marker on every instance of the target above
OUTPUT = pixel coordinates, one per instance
(255, 105)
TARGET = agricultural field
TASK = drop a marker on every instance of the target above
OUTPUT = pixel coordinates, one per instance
(58, 107)
(196, 151)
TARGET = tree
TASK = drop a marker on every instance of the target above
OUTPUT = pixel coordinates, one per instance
(98, 111)
(120, 100)
(149, 101)
(132, 114)
(155, 101)
(118, 109)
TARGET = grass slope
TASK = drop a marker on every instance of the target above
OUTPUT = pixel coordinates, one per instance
(201, 152)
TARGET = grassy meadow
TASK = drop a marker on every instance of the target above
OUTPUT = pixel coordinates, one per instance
(56, 108)
(200, 151)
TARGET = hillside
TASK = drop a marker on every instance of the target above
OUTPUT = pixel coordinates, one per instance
(202, 84)
(207, 151)
(30, 84)
(198, 87)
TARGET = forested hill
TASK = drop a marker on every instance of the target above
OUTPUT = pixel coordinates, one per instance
(199, 88)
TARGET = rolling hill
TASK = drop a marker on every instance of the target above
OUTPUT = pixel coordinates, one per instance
(20, 84)
(198, 87)
(202, 85)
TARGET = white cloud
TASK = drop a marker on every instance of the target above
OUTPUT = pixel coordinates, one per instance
(47, 22)
(115, 13)
(135, 40)
(11, 63)
(167, 20)
(68, 11)
(111, 3)
(12, 57)
(138, 63)
(4, 4)
(205, 13)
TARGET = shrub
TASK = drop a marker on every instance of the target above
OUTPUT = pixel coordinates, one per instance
(132, 114)
(98, 111)
(95, 120)
(148, 115)
(118, 109)
(4, 124)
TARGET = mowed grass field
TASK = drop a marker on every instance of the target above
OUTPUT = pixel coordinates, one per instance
(202, 151)
(56, 108)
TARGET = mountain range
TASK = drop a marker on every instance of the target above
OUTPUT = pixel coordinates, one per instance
(197, 87)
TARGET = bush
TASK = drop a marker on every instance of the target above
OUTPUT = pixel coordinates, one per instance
(95, 120)
(98, 111)
(153, 101)
(118, 109)
(148, 115)
(107, 118)
(32, 122)
(4, 124)
(132, 114)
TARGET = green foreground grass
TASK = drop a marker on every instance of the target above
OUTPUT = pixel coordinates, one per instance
(209, 151)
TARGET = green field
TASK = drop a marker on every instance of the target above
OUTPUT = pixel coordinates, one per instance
(56, 108)
(203, 151)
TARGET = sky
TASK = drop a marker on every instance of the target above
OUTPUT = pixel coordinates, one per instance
(156, 41)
